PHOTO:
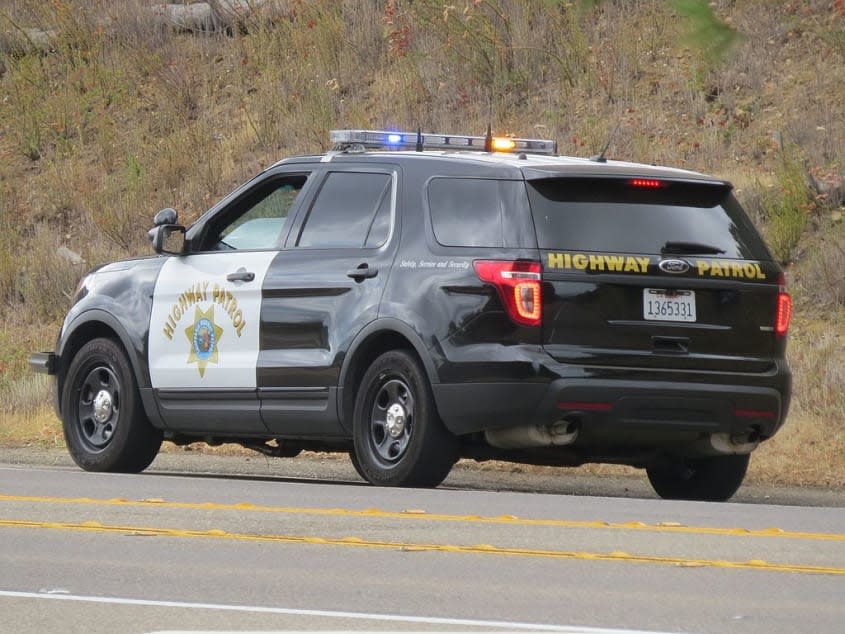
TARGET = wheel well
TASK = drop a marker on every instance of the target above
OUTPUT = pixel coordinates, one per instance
(369, 350)
(82, 335)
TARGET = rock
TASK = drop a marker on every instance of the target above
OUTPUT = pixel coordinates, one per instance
(71, 256)
(27, 40)
(829, 185)
(196, 17)
(216, 15)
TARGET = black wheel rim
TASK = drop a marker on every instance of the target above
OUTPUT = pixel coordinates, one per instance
(392, 420)
(98, 408)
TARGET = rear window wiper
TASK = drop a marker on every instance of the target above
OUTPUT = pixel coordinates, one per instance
(690, 247)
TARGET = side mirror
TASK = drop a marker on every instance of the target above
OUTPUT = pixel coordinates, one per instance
(167, 238)
(167, 216)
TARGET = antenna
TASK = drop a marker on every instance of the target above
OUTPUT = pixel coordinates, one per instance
(600, 158)
(419, 147)
(488, 139)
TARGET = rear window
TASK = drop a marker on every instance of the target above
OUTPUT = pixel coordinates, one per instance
(613, 215)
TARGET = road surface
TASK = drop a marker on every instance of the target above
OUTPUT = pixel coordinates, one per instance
(170, 550)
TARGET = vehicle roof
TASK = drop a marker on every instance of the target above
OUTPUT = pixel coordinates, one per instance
(529, 166)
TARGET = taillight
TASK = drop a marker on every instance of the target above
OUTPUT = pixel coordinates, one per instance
(784, 308)
(518, 283)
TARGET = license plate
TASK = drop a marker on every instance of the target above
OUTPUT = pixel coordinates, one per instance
(668, 305)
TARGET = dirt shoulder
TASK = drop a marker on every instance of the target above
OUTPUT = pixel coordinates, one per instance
(466, 475)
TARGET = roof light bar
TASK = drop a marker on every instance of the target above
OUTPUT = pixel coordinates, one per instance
(381, 139)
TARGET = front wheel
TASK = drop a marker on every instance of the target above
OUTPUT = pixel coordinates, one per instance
(713, 479)
(353, 458)
(104, 423)
(398, 437)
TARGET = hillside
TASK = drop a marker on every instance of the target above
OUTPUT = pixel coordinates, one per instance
(108, 112)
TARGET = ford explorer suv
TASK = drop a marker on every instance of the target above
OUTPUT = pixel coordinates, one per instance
(413, 299)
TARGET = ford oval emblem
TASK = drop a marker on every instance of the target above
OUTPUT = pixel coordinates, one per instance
(674, 266)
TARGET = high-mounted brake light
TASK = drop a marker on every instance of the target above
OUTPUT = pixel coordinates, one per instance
(646, 183)
(518, 284)
(397, 140)
(784, 308)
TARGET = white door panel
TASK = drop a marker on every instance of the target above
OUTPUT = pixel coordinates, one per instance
(204, 328)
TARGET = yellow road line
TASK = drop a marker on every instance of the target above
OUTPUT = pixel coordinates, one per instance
(479, 549)
(413, 514)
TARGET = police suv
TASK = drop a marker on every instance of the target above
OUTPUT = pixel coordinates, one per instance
(416, 298)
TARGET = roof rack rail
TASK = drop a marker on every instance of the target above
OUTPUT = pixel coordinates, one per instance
(394, 140)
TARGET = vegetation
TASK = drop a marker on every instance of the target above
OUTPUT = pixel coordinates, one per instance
(108, 114)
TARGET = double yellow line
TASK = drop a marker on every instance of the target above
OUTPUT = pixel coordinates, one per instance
(478, 549)
(419, 515)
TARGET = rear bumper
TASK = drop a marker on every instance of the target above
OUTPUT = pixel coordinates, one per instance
(649, 406)
(625, 407)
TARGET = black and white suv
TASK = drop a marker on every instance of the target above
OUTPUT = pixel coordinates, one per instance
(441, 297)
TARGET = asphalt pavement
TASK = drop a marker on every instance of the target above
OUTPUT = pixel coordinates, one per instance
(238, 546)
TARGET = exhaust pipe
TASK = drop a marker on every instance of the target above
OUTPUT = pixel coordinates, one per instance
(726, 444)
(558, 434)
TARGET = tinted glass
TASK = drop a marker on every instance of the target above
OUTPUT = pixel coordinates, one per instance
(380, 229)
(467, 212)
(613, 216)
(343, 214)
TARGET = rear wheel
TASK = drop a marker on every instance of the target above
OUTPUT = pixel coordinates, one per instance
(104, 423)
(398, 437)
(712, 479)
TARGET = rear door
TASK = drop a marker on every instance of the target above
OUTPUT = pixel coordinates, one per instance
(653, 273)
(320, 291)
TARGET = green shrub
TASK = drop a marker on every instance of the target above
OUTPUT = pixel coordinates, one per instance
(786, 206)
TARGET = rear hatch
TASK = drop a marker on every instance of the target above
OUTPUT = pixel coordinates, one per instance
(654, 273)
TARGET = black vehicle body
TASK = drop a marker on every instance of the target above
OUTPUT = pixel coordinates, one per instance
(590, 381)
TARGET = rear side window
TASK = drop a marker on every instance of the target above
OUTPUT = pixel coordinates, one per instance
(351, 210)
(614, 215)
(471, 212)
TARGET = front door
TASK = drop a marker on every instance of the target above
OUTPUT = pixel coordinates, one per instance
(206, 315)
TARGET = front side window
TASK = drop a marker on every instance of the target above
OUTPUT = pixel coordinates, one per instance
(258, 221)
(352, 210)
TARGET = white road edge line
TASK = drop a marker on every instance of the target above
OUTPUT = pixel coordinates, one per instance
(506, 625)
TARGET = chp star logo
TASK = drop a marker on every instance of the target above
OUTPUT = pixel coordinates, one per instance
(203, 335)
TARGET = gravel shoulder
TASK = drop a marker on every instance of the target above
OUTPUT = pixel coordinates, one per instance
(470, 475)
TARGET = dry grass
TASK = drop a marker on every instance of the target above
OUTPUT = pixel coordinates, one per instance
(806, 452)
(38, 427)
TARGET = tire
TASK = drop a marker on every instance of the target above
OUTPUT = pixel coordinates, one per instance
(398, 437)
(353, 457)
(713, 479)
(104, 423)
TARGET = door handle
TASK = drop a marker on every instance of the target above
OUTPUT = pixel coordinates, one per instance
(677, 345)
(241, 275)
(364, 271)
